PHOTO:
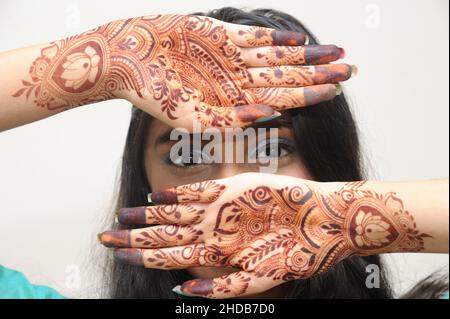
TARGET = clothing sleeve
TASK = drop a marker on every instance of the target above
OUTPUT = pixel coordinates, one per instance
(14, 285)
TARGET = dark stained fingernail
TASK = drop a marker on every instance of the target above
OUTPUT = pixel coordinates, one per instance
(132, 216)
(164, 197)
(332, 73)
(198, 287)
(284, 37)
(115, 238)
(131, 256)
(255, 112)
(320, 93)
(321, 54)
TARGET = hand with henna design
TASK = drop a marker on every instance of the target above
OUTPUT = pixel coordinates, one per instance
(180, 69)
(272, 228)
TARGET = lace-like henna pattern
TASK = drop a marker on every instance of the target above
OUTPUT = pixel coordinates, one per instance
(179, 63)
(272, 234)
(284, 55)
(281, 98)
(305, 75)
(170, 56)
(184, 213)
(375, 222)
(206, 191)
(166, 236)
(186, 256)
(69, 73)
(279, 76)
(240, 115)
(258, 36)
(291, 233)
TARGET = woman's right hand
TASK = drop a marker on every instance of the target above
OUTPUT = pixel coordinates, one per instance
(182, 69)
(185, 69)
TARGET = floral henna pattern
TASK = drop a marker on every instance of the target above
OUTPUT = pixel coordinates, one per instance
(273, 235)
(310, 54)
(284, 55)
(178, 65)
(241, 115)
(78, 77)
(291, 233)
(259, 36)
(166, 236)
(206, 192)
(171, 214)
(279, 76)
(170, 57)
(305, 75)
(375, 222)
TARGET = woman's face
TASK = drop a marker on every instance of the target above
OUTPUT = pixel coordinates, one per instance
(163, 171)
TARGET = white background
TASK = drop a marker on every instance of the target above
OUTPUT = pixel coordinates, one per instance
(57, 176)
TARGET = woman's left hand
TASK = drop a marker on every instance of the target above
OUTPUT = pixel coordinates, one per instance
(257, 225)
(273, 228)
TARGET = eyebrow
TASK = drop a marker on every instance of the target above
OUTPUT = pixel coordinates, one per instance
(276, 123)
(164, 138)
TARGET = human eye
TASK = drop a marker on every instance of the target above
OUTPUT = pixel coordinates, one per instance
(187, 161)
(274, 148)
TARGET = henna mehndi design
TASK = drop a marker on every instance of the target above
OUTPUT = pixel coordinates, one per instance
(274, 235)
(201, 192)
(187, 66)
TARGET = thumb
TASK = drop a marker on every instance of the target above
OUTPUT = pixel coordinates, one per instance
(232, 116)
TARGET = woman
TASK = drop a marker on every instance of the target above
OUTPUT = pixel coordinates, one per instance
(317, 144)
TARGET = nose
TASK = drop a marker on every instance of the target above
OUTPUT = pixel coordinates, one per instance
(231, 169)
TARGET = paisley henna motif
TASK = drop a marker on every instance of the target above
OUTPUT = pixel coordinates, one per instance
(205, 192)
(181, 66)
(293, 233)
(272, 234)
(170, 56)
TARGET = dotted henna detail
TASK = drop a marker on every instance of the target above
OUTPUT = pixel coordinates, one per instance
(297, 232)
(174, 59)
(273, 235)
(69, 73)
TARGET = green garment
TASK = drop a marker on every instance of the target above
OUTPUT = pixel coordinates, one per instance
(14, 285)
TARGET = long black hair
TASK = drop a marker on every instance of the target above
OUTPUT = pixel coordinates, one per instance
(327, 141)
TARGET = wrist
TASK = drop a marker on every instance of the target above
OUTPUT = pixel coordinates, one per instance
(132, 44)
(374, 220)
(74, 71)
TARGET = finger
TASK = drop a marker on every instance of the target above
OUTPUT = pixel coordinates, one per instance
(237, 284)
(299, 76)
(230, 117)
(194, 255)
(285, 98)
(279, 55)
(165, 258)
(152, 237)
(201, 192)
(178, 214)
(254, 36)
